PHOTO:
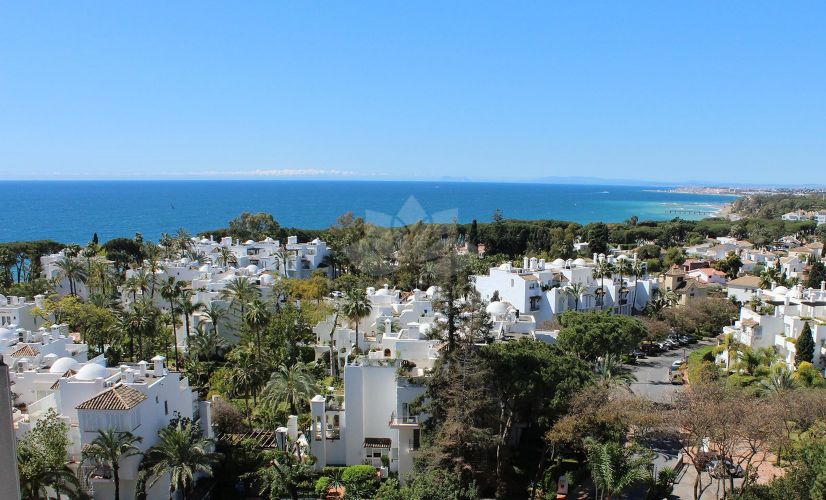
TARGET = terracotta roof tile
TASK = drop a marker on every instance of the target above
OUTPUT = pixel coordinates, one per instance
(24, 351)
(119, 397)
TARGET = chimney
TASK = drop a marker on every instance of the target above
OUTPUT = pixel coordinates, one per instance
(281, 438)
(533, 263)
(158, 365)
(292, 427)
(388, 326)
(596, 257)
(40, 301)
(525, 263)
(142, 368)
(541, 264)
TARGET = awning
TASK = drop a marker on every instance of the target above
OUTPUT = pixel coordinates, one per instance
(377, 443)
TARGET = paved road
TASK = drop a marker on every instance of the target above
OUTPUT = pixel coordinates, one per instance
(653, 382)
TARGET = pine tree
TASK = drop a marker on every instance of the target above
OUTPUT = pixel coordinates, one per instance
(805, 346)
(473, 234)
(817, 273)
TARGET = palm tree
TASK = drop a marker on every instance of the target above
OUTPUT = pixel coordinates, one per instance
(576, 290)
(188, 308)
(183, 240)
(170, 291)
(180, 453)
(215, 313)
(206, 344)
(226, 257)
(108, 449)
(637, 270)
(780, 380)
(293, 386)
(72, 270)
(729, 345)
(602, 269)
(244, 380)
(614, 467)
(356, 306)
(240, 291)
(609, 372)
(257, 318)
(62, 480)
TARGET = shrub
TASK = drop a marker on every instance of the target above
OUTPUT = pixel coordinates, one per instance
(360, 481)
(321, 486)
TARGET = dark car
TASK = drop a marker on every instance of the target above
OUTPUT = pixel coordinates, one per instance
(725, 468)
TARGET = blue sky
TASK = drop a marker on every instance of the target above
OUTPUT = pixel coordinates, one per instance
(677, 91)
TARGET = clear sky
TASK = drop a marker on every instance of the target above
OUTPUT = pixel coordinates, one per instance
(706, 91)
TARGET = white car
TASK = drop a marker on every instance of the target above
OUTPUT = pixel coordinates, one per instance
(677, 364)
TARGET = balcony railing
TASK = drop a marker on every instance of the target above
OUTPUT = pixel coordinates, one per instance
(403, 420)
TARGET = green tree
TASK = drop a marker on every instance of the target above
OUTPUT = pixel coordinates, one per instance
(575, 291)
(615, 468)
(286, 470)
(170, 291)
(292, 386)
(593, 334)
(181, 453)
(804, 346)
(355, 307)
(817, 273)
(360, 481)
(256, 227)
(42, 455)
(107, 451)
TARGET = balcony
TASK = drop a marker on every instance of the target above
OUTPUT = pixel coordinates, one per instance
(403, 421)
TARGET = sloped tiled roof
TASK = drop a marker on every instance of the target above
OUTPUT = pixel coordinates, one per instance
(119, 397)
(746, 281)
(25, 351)
(69, 373)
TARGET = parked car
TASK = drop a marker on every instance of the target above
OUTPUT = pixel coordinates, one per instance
(691, 339)
(677, 364)
(724, 468)
(640, 354)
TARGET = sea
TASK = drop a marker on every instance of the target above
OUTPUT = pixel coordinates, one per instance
(72, 211)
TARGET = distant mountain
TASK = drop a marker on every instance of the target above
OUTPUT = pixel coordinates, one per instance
(601, 181)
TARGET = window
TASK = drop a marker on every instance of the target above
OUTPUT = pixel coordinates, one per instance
(165, 408)
(417, 439)
(535, 303)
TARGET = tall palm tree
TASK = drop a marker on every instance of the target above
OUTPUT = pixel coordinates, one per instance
(729, 345)
(637, 270)
(170, 291)
(181, 453)
(614, 467)
(206, 344)
(244, 380)
(240, 291)
(356, 306)
(108, 449)
(609, 372)
(216, 314)
(61, 479)
(257, 318)
(73, 271)
(602, 269)
(576, 290)
(226, 257)
(183, 241)
(293, 386)
(188, 308)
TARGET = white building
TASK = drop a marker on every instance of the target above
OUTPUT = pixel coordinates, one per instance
(744, 288)
(18, 311)
(781, 327)
(89, 397)
(539, 288)
(708, 275)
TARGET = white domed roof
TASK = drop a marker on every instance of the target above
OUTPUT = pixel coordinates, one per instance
(204, 241)
(203, 269)
(63, 365)
(6, 334)
(558, 262)
(252, 268)
(497, 308)
(91, 371)
(780, 291)
(266, 279)
(249, 242)
(431, 291)
(579, 262)
(382, 291)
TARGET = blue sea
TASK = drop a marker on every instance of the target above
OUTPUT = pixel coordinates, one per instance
(71, 211)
